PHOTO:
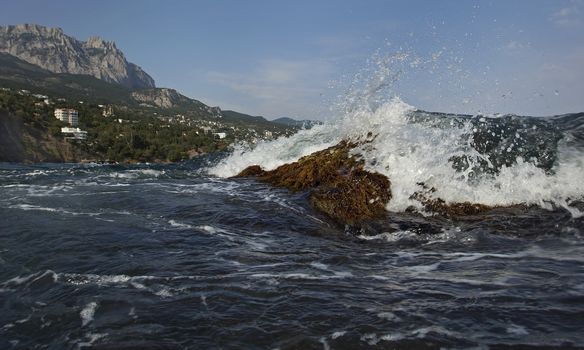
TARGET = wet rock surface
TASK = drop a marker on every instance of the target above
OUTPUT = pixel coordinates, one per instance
(338, 184)
(340, 187)
(438, 206)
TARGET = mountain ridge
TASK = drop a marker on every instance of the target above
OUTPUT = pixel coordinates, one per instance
(53, 50)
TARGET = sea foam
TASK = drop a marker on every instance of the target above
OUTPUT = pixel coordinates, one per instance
(413, 147)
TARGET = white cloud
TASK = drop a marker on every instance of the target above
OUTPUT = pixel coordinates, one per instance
(513, 46)
(279, 87)
(570, 16)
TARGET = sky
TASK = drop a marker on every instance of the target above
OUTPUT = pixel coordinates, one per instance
(301, 58)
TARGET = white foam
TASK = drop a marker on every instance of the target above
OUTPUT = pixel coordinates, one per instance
(325, 344)
(29, 207)
(177, 224)
(409, 153)
(271, 154)
(421, 333)
(164, 292)
(391, 236)
(137, 173)
(212, 230)
(91, 338)
(302, 276)
(32, 207)
(27, 280)
(424, 331)
(23, 320)
(392, 337)
(338, 334)
(371, 338)
(100, 280)
(88, 313)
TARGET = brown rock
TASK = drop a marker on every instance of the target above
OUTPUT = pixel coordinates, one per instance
(254, 170)
(338, 184)
(339, 187)
(440, 207)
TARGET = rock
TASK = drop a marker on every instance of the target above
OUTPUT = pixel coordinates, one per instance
(438, 206)
(338, 185)
(165, 98)
(254, 170)
(51, 49)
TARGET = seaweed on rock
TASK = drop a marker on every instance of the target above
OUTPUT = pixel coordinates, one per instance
(341, 188)
(338, 184)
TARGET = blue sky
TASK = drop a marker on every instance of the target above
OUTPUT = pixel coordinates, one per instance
(297, 58)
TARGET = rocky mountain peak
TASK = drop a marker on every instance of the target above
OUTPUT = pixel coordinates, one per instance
(95, 42)
(53, 50)
(32, 28)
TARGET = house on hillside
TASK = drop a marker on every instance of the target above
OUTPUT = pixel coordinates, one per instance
(67, 115)
(74, 133)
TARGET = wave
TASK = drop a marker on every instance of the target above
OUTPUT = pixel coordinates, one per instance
(496, 160)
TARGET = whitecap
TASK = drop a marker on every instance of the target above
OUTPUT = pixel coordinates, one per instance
(391, 236)
(338, 334)
(177, 224)
(28, 280)
(87, 313)
(412, 150)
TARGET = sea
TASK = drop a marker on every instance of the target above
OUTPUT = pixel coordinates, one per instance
(183, 256)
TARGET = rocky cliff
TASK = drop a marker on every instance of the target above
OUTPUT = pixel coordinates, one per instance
(52, 50)
(162, 98)
(170, 98)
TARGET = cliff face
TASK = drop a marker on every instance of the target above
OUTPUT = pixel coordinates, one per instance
(170, 98)
(52, 50)
(163, 98)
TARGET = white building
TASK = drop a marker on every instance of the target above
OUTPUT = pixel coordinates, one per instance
(74, 133)
(67, 115)
(220, 135)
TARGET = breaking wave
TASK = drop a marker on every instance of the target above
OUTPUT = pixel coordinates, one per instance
(492, 160)
(496, 160)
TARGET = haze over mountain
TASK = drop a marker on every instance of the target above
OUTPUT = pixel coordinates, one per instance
(53, 50)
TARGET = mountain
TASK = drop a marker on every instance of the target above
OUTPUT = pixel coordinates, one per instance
(296, 123)
(242, 118)
(51, 49)
(18, 74)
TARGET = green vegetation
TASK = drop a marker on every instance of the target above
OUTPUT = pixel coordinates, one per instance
(133, 135)
(137, 133)
(17, 74)
(140, 130)
(32, 113)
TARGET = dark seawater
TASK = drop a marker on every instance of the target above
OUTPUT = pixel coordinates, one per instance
(165, 257)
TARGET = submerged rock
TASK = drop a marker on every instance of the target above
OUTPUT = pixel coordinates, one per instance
(338, 184)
